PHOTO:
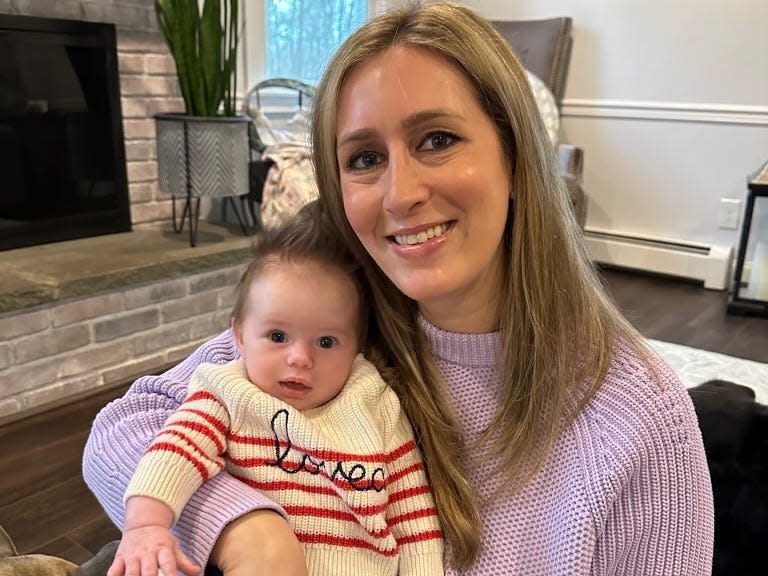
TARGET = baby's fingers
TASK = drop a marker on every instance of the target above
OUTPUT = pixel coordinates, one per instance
(117, 568)
(183, 562)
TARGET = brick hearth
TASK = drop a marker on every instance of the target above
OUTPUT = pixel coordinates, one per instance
(81, 316)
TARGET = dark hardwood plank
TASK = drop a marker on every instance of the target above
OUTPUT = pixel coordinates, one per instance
(36, 520)
(93, 535)
(686, 313)
(66, 548)
(37, 469)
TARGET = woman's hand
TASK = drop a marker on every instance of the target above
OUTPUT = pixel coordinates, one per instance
(259, 543)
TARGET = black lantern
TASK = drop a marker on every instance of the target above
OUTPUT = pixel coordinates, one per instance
(749, 293)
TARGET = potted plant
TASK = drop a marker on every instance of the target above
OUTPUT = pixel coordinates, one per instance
(203, 152)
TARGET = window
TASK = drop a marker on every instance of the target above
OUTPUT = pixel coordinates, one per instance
(301, 35)
(295, 38)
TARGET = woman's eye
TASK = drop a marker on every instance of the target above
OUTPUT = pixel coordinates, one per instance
(438, 141)
(277, 336)
(326, 342)
(364, 160)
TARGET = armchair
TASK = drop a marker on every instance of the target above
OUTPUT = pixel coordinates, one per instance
(544, 48)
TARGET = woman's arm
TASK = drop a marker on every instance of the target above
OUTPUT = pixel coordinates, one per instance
(661, 520)
(124, 428)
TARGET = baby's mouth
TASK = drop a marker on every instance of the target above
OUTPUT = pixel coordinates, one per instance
(294, 385)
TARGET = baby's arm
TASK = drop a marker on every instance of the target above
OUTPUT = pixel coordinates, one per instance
(148, 544)
(188, 450)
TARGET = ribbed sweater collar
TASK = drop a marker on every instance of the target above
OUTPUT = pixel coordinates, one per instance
(469, 350)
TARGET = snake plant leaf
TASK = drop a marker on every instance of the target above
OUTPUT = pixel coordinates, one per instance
(211, 36)
(204, 48)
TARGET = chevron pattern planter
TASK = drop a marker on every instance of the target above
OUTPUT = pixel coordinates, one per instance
(201, 157)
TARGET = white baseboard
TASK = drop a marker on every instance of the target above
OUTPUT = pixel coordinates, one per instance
(709, 264)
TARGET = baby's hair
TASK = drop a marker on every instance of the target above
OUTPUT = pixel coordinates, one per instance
(306, 236)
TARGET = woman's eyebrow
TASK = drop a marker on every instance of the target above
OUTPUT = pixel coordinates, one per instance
(356, 136)
(426, 115)
(408, 123)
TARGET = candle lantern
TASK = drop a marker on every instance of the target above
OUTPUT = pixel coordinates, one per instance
(749, 292)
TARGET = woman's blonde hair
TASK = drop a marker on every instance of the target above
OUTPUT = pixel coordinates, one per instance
(556, 322)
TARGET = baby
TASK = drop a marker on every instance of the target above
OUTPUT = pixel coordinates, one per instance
(301, 416)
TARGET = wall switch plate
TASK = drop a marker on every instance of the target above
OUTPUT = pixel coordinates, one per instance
(730, 213)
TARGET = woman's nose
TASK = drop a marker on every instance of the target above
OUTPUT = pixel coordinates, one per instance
(404, 183)
(300, 355)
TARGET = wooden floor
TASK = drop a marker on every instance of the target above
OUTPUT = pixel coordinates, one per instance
(46, 508)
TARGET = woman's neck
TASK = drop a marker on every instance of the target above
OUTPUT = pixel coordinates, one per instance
(464, 318)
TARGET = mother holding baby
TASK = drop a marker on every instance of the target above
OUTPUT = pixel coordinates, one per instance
(555, 441)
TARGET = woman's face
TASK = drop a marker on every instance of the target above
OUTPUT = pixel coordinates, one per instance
(425, 184)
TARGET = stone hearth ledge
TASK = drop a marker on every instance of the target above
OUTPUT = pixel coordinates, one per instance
(51, 273)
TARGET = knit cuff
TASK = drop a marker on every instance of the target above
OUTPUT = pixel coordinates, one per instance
(421, 565)
(219, 501)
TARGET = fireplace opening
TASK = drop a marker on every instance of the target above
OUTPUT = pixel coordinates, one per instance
(62, 155)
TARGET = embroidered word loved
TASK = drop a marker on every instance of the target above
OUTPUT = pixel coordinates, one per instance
(355, 474)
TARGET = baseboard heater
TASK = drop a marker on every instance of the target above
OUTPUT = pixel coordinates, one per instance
(709, 264)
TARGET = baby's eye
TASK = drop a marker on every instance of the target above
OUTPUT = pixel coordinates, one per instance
(438, 141)
(364, 160)
(277, 336)
(326, 342)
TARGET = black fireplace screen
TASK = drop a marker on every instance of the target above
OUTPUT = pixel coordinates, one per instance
(62, 156)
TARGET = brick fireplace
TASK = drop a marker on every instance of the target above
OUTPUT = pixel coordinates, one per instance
(147, 84)
(78, 317)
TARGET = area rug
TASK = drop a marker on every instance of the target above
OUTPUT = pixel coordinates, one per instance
(696, 366)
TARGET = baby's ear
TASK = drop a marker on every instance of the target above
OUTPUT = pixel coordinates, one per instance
(238, 332)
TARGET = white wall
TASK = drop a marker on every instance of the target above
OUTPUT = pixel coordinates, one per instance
(669, 100)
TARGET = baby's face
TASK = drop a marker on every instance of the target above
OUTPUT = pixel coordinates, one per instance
(299, 335)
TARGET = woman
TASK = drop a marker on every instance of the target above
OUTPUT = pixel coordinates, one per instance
(555, 442)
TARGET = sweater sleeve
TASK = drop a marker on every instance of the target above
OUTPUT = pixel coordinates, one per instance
(188, 450)
(122, 431)
(411, 512)
(657, 511)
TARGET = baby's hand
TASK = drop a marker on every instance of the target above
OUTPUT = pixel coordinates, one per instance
(145, 550)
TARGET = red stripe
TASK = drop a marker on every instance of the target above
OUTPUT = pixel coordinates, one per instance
(344, 542)
(215, 422)
(420, 537)
(279, 485)
(326, 454)
(283, 485)
(394, 477)
(202, 395)
(250, 462)
(420, 513)
(407, 493)
(340, 515)
(183, 437)
(400, 451)
(168, 447)
(200, 427)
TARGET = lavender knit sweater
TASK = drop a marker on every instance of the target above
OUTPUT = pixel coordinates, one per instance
(625, 490)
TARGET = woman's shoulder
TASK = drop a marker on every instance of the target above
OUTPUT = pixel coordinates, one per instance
(640, 409)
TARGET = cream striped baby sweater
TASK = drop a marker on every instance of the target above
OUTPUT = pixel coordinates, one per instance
(348, 474)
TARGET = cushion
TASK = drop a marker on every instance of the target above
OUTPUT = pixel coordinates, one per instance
(547, 106)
